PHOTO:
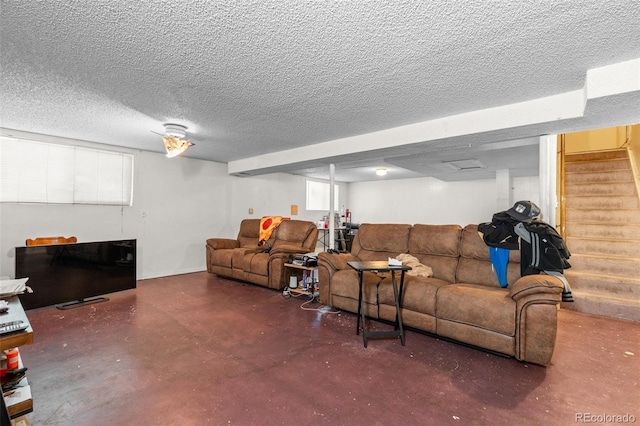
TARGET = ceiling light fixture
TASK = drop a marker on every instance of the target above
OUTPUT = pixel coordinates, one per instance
(174, 141)
(381, 171)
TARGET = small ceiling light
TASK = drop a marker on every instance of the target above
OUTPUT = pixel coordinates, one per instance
(381, 171)
(174, 141)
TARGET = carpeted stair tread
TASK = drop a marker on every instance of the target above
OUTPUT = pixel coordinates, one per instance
(608, 176)
(605, 284)
(602, 231)
(609, 265)
(602, 202)
(597, 166)
(601, 189)
(604, 247)
(605, 305)
(606, 230)
(619, 216)
(596, 155)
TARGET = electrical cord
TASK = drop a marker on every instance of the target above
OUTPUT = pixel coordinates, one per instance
(312, 298)
(322, 309)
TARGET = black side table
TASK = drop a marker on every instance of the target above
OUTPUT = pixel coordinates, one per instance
(380, 266)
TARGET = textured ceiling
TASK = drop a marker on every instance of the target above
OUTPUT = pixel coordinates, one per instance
(361, 84)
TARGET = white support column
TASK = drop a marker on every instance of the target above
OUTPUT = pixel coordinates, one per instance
(503, 190)
(332, 216)
(548, 178)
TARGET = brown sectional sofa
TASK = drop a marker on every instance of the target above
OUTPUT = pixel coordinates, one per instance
(242, 259)
(461, 301)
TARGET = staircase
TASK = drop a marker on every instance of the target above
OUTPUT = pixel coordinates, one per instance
(603, 234)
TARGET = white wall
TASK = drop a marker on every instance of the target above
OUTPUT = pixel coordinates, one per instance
(177, 204)
(431, 201)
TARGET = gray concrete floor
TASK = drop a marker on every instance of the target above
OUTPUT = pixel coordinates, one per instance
(195, 349)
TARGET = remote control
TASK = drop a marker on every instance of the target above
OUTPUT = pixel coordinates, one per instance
(11, 326)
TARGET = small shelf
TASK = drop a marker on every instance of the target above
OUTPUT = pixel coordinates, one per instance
(14, 340)
(299, 292)
(307, 271)
(302, 267)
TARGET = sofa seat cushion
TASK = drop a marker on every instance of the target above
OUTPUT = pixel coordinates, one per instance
(478, 305)
(345, 284)
(238, 257)
(223, 257)
(255, 263)
(418, 293)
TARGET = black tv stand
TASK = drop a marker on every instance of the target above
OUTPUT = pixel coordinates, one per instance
(83, 302)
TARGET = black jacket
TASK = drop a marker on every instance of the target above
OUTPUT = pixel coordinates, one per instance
(545, 250)
(499, 232)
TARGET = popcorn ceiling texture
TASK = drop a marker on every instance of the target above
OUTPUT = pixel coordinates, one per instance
(255, 77)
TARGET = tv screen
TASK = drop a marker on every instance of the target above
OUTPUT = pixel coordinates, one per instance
(75, 272)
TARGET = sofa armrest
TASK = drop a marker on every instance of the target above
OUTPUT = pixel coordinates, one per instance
(287, 249)
(336, 261)
(537, 299)
(328, 264)
(222, 243)
(546, 286)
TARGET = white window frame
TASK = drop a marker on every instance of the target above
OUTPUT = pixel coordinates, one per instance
(40, 172)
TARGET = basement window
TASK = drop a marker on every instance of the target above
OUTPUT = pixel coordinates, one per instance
(37, 172)
(318, 196)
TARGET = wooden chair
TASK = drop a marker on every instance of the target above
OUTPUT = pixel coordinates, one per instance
(45, 241)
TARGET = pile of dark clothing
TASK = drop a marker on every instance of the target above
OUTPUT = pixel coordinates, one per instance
(542, 249)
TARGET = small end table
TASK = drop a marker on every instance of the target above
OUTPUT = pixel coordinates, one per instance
(380, 266)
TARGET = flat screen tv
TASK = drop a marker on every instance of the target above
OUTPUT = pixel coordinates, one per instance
(69, 275)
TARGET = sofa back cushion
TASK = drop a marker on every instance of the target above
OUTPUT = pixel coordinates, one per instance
(249, 233)
(380, 241)
(475, 264)
(297, 233)
(437, 246)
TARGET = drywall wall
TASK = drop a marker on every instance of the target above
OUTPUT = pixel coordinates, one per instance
(595, 140)
(177, 204)
(429, 200)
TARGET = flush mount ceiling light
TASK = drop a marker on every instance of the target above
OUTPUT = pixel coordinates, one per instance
(174, 141)
(381, 171)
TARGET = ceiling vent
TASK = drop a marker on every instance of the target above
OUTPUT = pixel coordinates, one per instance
(471, 164)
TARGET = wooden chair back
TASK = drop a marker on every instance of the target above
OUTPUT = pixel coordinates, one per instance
(45, 241)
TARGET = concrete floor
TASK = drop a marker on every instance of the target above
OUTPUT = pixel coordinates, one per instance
(195, 349)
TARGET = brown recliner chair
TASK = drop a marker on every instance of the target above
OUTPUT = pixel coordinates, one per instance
(243, 259)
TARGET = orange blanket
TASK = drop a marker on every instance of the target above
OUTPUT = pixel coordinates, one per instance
(267, 225)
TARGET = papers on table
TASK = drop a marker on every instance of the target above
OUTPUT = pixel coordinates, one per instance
(9, 287)
(394, 262)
